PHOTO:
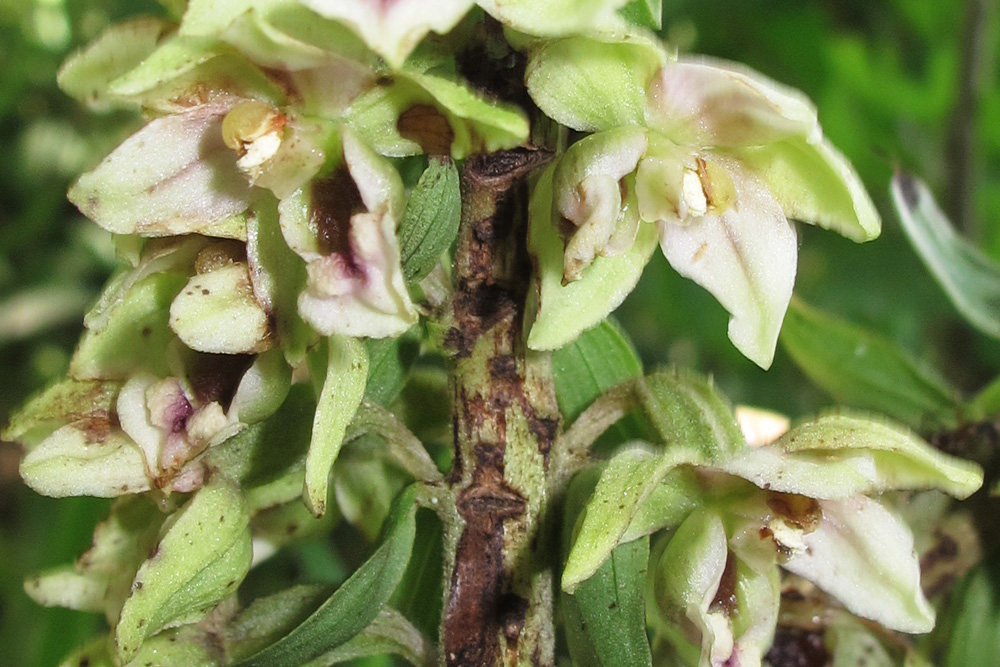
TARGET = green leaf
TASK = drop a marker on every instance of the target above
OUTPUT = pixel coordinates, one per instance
(389, 362)
(974, 631)
(430, 221)
(592, 85)
(605, 619)
(862, 369)
(841, 456)
(343, 389)
(389, 634)
(969, 278)
(565, 311)
(267, 619)
(201, 559)
(357, 602)
(135, 334)
(174, 176)
(86, 74)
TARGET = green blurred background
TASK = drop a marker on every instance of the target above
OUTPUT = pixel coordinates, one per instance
(900, 83)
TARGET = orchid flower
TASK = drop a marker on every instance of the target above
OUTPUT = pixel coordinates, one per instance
(720, 163)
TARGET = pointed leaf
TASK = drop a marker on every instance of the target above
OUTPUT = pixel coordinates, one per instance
(746, 257)
(430, 222)
(864, 556)
(201, 559)
(564, 311)
(356, 603)
(174, 176)
(592, 85)
(390, 633)
(969, 278)
(390, 360)
(860, 368)
(599, 359)
(975, 627)
(343, 389)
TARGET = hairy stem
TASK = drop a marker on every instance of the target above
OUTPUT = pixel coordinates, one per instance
(498, 587)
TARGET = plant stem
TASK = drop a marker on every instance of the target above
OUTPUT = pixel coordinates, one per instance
(498, 579)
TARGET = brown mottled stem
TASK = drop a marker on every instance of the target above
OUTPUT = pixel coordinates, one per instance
(498, 585)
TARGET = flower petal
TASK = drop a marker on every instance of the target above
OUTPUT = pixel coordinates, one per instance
(393, 29)
(174, 176)
(718, 104)
(863, 555)
(745, 256)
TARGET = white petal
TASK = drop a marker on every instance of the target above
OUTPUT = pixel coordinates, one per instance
(713, 103)
(864, 556)
(745, 256)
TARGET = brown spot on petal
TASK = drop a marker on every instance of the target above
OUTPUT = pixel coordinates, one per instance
(800, 511)
(428, 127)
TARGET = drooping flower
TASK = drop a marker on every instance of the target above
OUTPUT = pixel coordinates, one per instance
(723, 161)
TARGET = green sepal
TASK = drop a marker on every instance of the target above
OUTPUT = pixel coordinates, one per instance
(840, 456)
(63, 403)
(430, 221)
(262, 389)
(278, 276)
(135, 335)
(177, 75)
(86, 74)
(343, 389)
(201, 559)
(592, 84)
(451, 118)
(564, 311)
(863, 369)
(268, 458)
(628, 480)
(365, 483)
(357, 602)
(605, 619)
(557, 17)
